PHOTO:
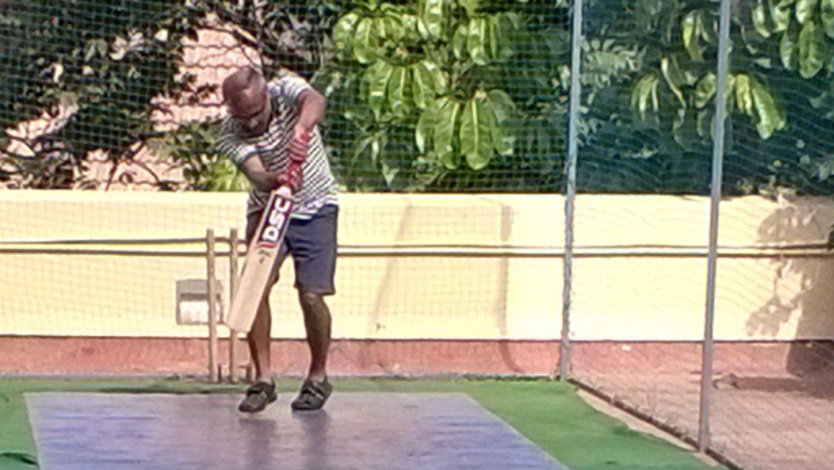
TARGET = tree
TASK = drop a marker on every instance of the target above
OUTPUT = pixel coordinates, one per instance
(291, 34)
(104, 62)
(440, 95)
(440, 106)
(779, 47)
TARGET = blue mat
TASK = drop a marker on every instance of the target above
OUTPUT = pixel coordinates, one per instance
(355, 431)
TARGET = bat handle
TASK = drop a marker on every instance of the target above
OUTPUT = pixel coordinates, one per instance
(285, 191)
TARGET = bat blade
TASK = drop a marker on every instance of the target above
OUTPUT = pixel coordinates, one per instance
(260, 259)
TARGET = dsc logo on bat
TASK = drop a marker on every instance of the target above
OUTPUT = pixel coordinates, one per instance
(274, 225)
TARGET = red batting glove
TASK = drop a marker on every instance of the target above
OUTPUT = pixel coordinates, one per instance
(297, 153)
(292, 177)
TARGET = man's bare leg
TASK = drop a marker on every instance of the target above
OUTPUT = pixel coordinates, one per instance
(316, 389)
(262, 392)
(317, 321)
(259, 341)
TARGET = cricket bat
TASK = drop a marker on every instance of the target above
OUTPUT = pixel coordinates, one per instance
(260, 259)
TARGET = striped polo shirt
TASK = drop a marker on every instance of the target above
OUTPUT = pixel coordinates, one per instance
(318, 188)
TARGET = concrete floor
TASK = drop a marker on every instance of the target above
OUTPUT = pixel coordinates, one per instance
(355, 431)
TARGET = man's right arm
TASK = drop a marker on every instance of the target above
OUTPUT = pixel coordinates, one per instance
(251, 165)
(260, 178)
(246, 159)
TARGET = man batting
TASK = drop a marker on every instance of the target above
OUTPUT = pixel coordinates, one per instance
(271, 134)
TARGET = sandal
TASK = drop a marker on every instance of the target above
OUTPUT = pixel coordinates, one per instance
(258, 396)
(312, 396)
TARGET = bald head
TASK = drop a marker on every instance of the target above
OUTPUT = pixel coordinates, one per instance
(243, 87)
(246, 98)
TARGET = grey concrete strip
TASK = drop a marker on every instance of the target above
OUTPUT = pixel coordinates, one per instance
(355, 431)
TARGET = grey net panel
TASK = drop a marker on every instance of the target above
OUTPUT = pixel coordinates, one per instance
(773, 359)
(643, 180)
(647, 124)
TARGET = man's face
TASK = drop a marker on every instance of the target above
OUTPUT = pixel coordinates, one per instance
(252, 111)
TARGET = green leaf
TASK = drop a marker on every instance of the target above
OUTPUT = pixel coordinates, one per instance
(644, 94)
(760, 19)
(401, 27)
(827, 17)
(376, 80)
(504, 29)
(469, 5)
(343, 31)
(102, 47)
(805, 10)
(444, 132)
(477, 41)
(743, 95)
(438, 78)
(389, 173)
(365, 41)
(780, 13)
(359, 147)
(709, 31)
(477, 127)
(421, 88)
(431, 19)
(692, 25)
(492, 29)
(649, 7)
(459, 40)
(704, 122)
(502, 106)
(398, 88)
(770, 117)
(388, 28)
(811, 50)
(369, 4)
(89, 50)
(704, 90)
(223, 175)
(684, 129)
(820, 101)
(427, 82)
(674, 78)
(377, 144)
(426, 125)
(503, 141)
(501, 103)
(788, 49)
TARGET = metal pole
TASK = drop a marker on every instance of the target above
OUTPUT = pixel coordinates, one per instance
(715, 202)
(233, 377)
(570, 188)
(212, 311)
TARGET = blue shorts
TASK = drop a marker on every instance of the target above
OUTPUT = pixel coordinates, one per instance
(312, 244)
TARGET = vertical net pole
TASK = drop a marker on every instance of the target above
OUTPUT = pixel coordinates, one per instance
(232, 289)
(212, 312)
(570, 181)
(715, 201)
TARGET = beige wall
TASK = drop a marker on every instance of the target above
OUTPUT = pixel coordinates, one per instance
(619, 292)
